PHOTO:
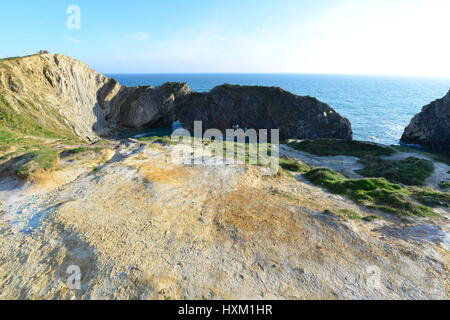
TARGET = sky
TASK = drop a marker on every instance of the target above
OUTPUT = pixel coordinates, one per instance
(382, 37)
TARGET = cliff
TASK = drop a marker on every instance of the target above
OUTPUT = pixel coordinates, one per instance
(263, 108)
(431, 127)
(67, 97)
(140, 224)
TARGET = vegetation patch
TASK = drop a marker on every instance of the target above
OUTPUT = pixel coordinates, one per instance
(293, 165)
(80, 150)
(350, 214)
(431, 197)
(433, 156)
(283, 194)
(374, 193)
(411, 171)
(163, 140)
(332, 147)
(354, 216)
(24, 131)
(23, 123)
(444, 184)
(44, 159)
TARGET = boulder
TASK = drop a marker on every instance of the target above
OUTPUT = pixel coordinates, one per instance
(431, 127)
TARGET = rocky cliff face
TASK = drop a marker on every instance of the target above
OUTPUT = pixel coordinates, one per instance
(66, 95)
(59, 92)
(431, 127)
(263, 108)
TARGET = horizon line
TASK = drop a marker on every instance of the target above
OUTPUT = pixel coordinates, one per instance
(277, 73)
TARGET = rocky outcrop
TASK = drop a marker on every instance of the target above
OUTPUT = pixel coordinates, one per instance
(67, 96)
(145, 106)
(263, 108)
(431, 127)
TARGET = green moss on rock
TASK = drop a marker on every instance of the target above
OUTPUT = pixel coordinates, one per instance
(27, 163)
(375, 193)
(411, 171)
(444, 184)
(331, 147)
(431, 197)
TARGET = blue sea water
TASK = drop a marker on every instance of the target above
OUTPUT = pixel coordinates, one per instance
(379, 107)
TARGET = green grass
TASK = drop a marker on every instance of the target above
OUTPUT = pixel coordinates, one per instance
(164, 140)
(80, 150)
(30, 162)
(430, 197)
(249, 153)
(77, 150)
(290, 164)
(350, 214)
(433, 156)
(411, 171)
(374, 193)
(23, 123)
(24, 131)
(331, 147)
(444, 184)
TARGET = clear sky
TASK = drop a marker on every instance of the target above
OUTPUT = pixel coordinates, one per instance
(392, 37)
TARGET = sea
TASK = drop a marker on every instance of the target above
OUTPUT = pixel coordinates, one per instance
(379, 107)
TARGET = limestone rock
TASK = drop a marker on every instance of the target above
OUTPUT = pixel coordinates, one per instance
(66, 94)
(141, 107)
(263, 108)
(431, 127)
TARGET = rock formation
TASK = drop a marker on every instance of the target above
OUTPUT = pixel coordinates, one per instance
(139, 224)
(263, 108)
(66, 95)
(431, 127)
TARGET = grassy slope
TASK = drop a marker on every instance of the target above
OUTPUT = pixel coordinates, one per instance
(434, 156)
(411, 171)
(378, 193)
(381, 189)
(25, 143)
(352, 148)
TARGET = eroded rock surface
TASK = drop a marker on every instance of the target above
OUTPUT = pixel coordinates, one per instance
(142, 227)
(431, 127)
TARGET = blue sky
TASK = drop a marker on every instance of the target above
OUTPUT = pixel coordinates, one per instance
(392, 37)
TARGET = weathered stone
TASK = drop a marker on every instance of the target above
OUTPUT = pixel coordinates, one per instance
(431, 127)
(65, 93)
(263, 108)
